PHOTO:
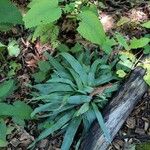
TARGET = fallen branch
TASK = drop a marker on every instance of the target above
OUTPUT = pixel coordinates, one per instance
(117, 111)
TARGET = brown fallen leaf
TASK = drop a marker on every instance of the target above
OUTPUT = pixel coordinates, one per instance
(100, 90)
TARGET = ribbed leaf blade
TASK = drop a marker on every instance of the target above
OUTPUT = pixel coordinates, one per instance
(70, 133)
(101, 122)
(84, 108)
(79, 99)
(61, 80)
(62, 121)
(53, 87)
(76, 66)
(60, 69)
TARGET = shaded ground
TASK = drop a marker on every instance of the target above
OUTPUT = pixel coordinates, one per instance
(135, 130)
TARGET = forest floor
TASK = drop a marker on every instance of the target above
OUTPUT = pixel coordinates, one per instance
(136, 129)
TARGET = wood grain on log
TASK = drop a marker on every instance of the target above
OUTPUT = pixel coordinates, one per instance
(117, 111)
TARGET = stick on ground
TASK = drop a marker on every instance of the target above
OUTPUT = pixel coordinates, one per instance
(117, 111)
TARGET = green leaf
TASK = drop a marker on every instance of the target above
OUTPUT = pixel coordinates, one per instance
(90, 117)
(77, 48)
(41, 108)
(48, 33)
(101, 122)
(69, 7)
(70, 133)
(91, 28)
(60, 110)
(122, 41)
(18, 121)
(103, 79)
(63, 48)
(22, 110)
(3, 130)
(62, 80)
(121, 73)
(146, 24)
(4, 27)
(60, 69)
(6, 109)
(53, 87)
(139, 43)
(84, 108)
(76, 78)
(18, 109)
(127, 60)
(107, 45)
(143, 146)
(13, 48)
(42, 12)
(44, 66)
(79, 99)
(49, 98)
(61, 122)
(6, 88)
(92, 72)
(9, 13)
(147, 49)
(3, 143)
(39, 76)
(76, 66)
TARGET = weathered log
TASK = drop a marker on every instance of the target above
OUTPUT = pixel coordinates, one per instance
(117, 111)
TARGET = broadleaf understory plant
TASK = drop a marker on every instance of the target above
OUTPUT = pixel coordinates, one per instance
(18, 112)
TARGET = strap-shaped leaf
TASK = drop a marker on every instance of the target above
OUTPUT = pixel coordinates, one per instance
(60, 69)
(61, 80)
(91, 28)
(60, 110)
(70, 133)
(42, 108)
(101, 122)
(84, 108)
(79, 99)
(42, 12)
(54, 97)
(104, 79)
(77, 79)
(76, 66)
(89, 118)
(91, 75)
(61, 122)
(53, 87)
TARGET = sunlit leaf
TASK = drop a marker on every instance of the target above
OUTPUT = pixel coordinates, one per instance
(91, 28)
